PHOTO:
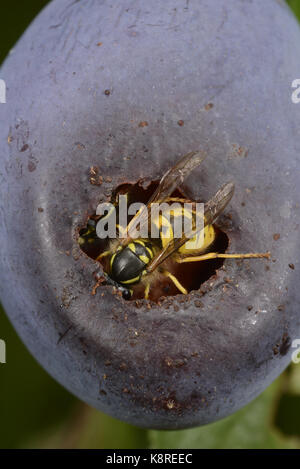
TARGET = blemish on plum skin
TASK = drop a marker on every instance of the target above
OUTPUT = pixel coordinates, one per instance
(79, 145)
(208, 106)
(143, 124)
(285, 344)
(63, 334)
(31, 166)
(95, 178)
(133, 33)
(24, 148)
(238, 151)
(198, 304)
(170, 404)
(174, 363)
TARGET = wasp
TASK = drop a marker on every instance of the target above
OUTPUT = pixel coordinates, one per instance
(133, 260)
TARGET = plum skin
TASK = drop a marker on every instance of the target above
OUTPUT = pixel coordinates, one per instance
(189, 360)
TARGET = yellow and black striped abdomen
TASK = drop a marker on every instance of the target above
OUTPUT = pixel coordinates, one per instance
(170, 225)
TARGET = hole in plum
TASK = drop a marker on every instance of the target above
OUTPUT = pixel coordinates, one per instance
(191, 275)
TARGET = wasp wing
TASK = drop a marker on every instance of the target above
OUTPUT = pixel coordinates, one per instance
(168, 183)
(212, 209)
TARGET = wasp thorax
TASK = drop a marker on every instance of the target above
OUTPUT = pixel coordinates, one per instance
(128, 263)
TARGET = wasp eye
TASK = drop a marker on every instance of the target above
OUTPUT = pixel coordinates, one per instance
(126, 294)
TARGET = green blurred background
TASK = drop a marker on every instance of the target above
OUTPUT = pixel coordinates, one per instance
(36, 412)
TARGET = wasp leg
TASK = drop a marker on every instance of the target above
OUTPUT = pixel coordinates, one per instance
(215, 255)
(176, 282)
(146, 292)
(99, 282)
(95, 287)
(105, 253)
